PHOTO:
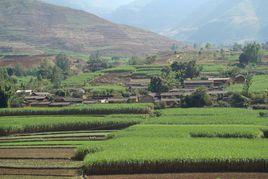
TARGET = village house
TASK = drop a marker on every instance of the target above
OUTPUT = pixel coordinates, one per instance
(60, 104)
(40, 104)
(115, 100)
(196, 84)
(171, 95)
(24, 92)
(149, 98)
(220, 81)
(239, 79)
(171, 102)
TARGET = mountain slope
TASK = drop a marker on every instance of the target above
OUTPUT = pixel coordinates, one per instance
(224, 21)
(155, 15)
(44, 25)
(94, 6)
(217, 21)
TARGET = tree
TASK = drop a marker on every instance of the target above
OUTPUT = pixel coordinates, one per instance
(185, 70)
(3, 99)
(199, 98)
(237, 47)
(57, 76)
(64, 64)
(96, 63)
(149, 60)
(44, 70)
(251, 54)
(5, 92)
(18, 71)
(158, 85)
(247, 85)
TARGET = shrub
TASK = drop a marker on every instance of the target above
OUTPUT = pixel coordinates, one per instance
(198, 99)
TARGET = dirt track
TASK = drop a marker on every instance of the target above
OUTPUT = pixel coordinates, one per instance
(188, 176)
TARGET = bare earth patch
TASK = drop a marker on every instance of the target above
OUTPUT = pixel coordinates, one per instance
(36, 153)
(187, 176)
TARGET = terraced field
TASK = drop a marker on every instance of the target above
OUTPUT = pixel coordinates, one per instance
(179, 140)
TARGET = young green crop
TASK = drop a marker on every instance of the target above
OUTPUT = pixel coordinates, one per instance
(101, 109)
(209, 116)
(171, 149)
(30, 124)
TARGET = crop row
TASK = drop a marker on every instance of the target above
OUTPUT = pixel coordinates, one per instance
(154, 154)
(101, 109)
(31, 124)
(163, 166)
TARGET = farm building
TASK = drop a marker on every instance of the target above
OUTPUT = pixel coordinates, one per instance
(90, 102)
(220, 81)
(240, 79)
(40, 104)
(114, 100)
(196, 84)
(150, 98)
(24, 92)
(133, 99)
(60, 104)
(171, 102)
(41, 94)
(171, 95)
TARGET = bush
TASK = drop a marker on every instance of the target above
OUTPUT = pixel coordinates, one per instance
(238, 100)
(198, 99)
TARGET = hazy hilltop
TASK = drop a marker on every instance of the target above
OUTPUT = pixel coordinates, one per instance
(218, 21)
(39, 24)
(225, 21)
(95, 6)
(155, 15)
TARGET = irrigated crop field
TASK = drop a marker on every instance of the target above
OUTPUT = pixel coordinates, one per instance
(178, 140)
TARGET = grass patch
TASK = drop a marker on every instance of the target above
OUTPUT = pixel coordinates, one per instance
(80, 80)
(120, 69)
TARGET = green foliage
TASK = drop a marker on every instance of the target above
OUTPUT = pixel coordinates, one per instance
(158, 85)
(238, 100)
(63, 63)
(251, 54)
(199, 98)
(81, 79)
(106, 90)
(185, 70)
(247, 85)
(150, 59)
(56, 77)
(121, 69)
(96, 62)
(44, 70)
(4, 97)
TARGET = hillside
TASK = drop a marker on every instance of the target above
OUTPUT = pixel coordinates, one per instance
(217, 21)
(226, 21)
(155, 15)
(48, 26)
(94, 6)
